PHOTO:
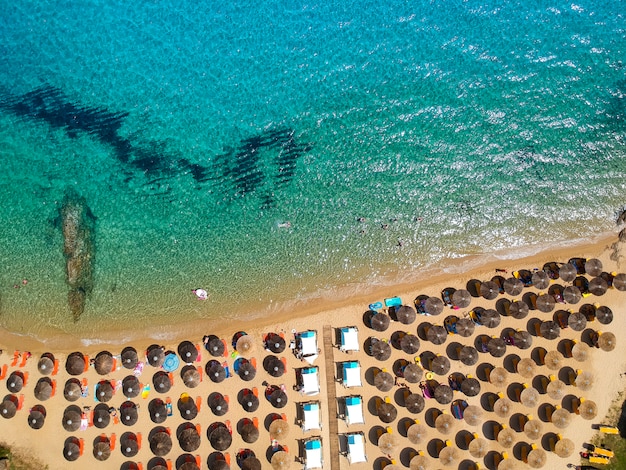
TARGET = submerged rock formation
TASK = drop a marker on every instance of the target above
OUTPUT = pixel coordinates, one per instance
(78, 225)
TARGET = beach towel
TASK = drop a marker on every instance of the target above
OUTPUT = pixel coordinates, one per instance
(138, 370)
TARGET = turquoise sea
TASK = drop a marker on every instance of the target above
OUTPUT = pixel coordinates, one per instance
(195, 129)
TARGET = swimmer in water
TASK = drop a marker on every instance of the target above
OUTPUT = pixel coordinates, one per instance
(285, 225)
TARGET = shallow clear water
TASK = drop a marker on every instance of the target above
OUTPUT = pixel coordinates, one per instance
(193, 131)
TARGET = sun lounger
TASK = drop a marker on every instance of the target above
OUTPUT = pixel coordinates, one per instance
(306, 347)
(351, 371)
(313, 453)
(307, 380)
(16, 358)
(349, 339)
(356, 447)
(311, 416)
(354, 410)
(3, 371)
(393, 302)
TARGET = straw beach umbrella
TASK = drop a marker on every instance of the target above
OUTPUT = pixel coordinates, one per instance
(470, 387)
(502, 407)
(416, 433)
(101, 416)
(104, 363)
(187, 407)
(75, 363)
(593, 267)
(567, 272)
(43, 389)
(131, 386)
(45, 366)
(478, 447)
(444, 423)
(406, 314)
(388, 443)
(545, 303)
(128, 413)
(414, 403)
(506, 437)
(556, 389)
(461, 298)
(448, 456)
(489, 318)
(274, 366)
(468, 355)
(104, 390)
(383, 381)
(418, 462)
(102, 448)
(380, 321)
(604, 315)
(162, 382)
(37, 417)
(561, 418)
(440, 365)
(72, 390)
(564, 447)
(155, 355)
(71, 449)
(529, 397)
(218, 404)
(533, 429)
(129, 445)
(588, 409)
(245, 345)
(518, 310)
(381, 350)
(489, 290)
(387, 412)
(412, 373)
(607, 341)
(553, 360)
(188, 437)
(465, 327)
(513, 286)
(598, 286)
(619, 282)
(278, 398)
(540, 280)
(434, 305)
(496, 347)
(215, 371)
(160, 443)
(584, 381)
(8, 407)
(129, 357)
(499, 376)
(280, 460)
(572, 294)
(410, 344)
(71, 418)
(220, 438)
(215, 346)
(580, 352)
(157, 410)
(437, 334)
(249, 402)
(190, 376)
(577, 321)
(549, 330)
(527, 368)
(537, 458)
(522, 339)
(251, 463)
(275, 343)
(443, 394)
(187, 351)
(473, 415)
(279, 429)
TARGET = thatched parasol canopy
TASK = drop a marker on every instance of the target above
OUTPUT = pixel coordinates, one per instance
(468, 355)
(564, 447)
(160, 443)
(45, 366)
(465, 327)
(593, 267)
(71, 449)
(418, 462)
(499, 376)
(537, 458)
(414, 403)
(588, 409)
(553, 360)
(490, 318)
(281, 460)
(218, 404)
(540, 280)
(187, 351)
(161, 381)
(104, 391)
(381, 350)
(245, 345)
(71, 418)
(561, 418)
(131, 386)
(580, 352)
(449, 455)
(187, 407)
(443, 394)
(584, 380)
(129, 445)
(619, 282)
(445, 423)
(416, 433)
(128, 413)
(545, 303)
(461, 298)
(473, 415)
(412, 373)
(190, 376)
(37, 417)
(470, 387)
(384, 381)
(380, 321)
(549, 330)
(249, 433)
(279, 429)
(251, 463)
(567, 272)
(278, 398)
(489, 290)
(607, 341)
(604, 315)
(388, 443)
(188, 438)
(129, 357)
(215, 346)
(273, 366)
(572, 294)
(437, 334)
(157, 410)
(75, 363)
(502, 407)
(522, 339)
(518, 310)
(513, 286)
(215, 371)
(577, 321)
(410, 344)
(220, 438)
(43, 389)
(527, 368)
(275, 343)
(72, 390)
(434, 305)
(533, 429)
(529, 397)
(406, 314)
(101, 416)
(155, 355)
(440, 365)
(506, 437)
(387, 412)
(496, 347)
(104, 363)
(478, 447)
(556, 389)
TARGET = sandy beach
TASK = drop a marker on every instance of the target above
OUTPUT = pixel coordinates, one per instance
(47, 443)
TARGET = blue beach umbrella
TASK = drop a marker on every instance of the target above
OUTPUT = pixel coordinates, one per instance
(171, 362)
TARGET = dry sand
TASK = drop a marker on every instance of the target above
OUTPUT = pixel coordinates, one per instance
(47, 443)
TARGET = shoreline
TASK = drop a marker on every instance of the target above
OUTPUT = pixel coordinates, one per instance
(319, 303)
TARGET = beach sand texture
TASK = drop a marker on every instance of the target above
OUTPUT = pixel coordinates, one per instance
(444, 442)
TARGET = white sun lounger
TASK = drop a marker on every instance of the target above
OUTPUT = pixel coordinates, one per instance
(306, 346)
(310, 381)
(354, 410)
(351, 374)
(356, 447)
(313, 453)
(349, 339)
(311, 416)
